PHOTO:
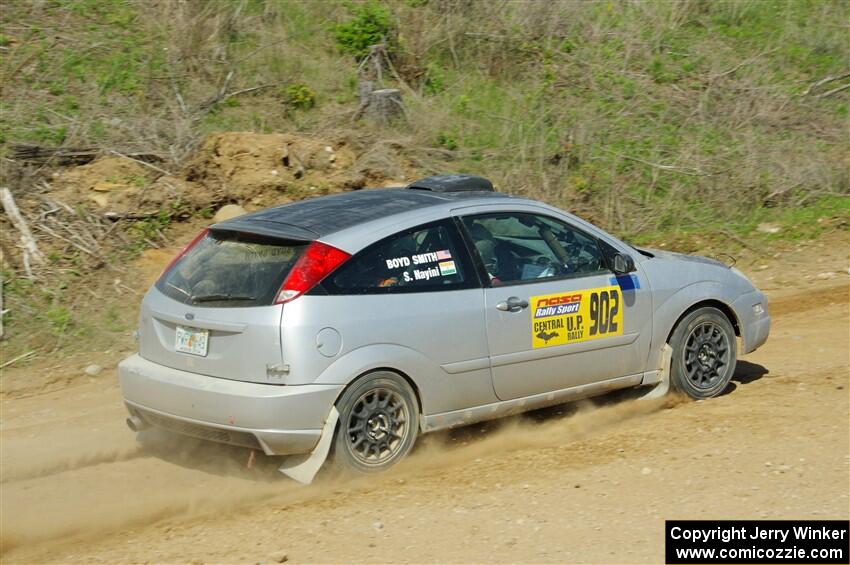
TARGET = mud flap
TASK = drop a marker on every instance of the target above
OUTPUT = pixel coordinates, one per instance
(303, 468)
(663, 386)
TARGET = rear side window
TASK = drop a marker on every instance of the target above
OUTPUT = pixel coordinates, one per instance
(423, 259)
(231, 270)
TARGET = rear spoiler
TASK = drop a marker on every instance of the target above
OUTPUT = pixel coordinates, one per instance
(452, 183)
(277, 230)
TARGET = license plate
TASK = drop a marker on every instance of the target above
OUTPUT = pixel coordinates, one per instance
(191, 340)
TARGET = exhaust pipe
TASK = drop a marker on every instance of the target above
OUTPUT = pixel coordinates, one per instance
(136, 424)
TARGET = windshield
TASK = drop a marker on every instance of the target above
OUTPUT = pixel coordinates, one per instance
(231, 270)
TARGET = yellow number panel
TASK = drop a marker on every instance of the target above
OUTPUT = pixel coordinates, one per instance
(573, 316)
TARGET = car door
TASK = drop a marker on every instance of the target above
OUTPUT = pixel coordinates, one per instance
(417, 290)
(556, 315)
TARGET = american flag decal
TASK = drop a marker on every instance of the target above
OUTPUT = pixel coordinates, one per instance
(441, 255)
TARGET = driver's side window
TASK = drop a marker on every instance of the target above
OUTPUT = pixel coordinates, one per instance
(519, 247)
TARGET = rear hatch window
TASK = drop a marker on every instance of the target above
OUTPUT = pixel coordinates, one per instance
(231, 269)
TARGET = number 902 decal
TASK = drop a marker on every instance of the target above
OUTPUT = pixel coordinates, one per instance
(581, 315)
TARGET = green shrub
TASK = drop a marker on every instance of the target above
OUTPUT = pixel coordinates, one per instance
(56, 88)
(47, 134)
(59, 318)
(299, 96)
(369, 26)
(435, 79)
(446, 140)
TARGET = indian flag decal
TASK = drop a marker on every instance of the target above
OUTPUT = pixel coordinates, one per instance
(447, 268)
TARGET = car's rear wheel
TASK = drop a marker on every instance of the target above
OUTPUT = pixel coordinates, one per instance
(704, 353)
(378, 423)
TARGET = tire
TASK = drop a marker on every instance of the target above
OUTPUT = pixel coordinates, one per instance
(704, 354)
(378, 423)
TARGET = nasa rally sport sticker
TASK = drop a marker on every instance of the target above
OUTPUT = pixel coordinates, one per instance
(580, 315)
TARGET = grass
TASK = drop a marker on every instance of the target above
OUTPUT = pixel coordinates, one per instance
(558, 100)
(626, 113)
(809, 222)
(804, 222)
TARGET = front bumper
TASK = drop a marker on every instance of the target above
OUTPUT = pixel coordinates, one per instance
(279, 419)
(754, 327)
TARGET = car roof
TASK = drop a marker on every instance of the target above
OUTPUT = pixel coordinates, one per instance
(314, 218)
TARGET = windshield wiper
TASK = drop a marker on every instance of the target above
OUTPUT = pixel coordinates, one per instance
(177, 288)
(221, 297)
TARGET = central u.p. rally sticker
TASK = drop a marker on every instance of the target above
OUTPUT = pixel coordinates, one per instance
(573, 316)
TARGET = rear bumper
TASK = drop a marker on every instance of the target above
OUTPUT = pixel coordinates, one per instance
(278, 419)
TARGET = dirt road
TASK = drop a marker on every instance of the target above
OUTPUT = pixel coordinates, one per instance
(591, 482)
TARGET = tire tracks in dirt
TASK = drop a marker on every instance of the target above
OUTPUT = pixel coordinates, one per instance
(799, 302)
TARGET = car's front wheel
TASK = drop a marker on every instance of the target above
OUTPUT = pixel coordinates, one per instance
(704, 353)
(378, 423)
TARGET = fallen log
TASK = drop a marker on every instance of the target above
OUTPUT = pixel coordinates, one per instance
(73, 155)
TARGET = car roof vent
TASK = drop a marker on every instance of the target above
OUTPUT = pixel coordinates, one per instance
(453, 183)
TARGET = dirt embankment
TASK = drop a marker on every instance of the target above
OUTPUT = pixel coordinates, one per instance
(250, 169)
(580, 483)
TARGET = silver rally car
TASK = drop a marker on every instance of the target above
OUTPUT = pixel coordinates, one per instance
(352, 323)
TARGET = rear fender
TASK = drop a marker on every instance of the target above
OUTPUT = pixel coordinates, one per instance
(408, 362)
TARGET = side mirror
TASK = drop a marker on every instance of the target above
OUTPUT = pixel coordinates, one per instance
(623, 264)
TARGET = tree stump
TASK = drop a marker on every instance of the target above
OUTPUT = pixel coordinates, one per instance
(384, 104)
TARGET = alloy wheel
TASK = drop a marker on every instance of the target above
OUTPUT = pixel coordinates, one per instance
(378, 426)
(706, 355)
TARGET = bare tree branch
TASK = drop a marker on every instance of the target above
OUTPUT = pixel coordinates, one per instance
(742, 64)
(139, 161)
(210, 104)
(28, 242)
(834, 90)
(690, 171)
(824, 81)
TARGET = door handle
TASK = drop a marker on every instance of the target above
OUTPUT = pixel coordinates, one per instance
(512, 304)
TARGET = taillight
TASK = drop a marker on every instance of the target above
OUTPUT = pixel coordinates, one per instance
(186, 249)
(318, 261)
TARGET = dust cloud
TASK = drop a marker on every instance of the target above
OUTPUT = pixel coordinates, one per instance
(169, 477)
(547, 428)
(69, 464)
